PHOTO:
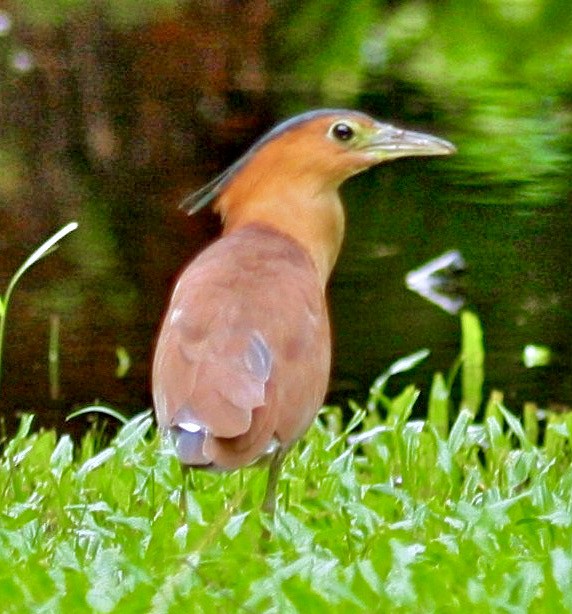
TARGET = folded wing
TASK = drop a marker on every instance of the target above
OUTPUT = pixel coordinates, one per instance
(241, 335)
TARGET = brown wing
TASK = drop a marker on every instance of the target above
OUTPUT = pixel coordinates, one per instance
(243, 354)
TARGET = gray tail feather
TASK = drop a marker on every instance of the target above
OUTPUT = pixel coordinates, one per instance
(190, 446)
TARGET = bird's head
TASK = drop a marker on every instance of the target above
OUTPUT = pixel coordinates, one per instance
(290, 177)
(328, 144)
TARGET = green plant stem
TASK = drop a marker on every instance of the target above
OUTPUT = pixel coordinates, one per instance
(54, 356)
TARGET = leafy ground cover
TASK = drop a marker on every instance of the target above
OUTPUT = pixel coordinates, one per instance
(387, 513)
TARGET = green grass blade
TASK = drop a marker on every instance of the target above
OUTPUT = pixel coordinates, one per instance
(98, 409)
(39, 253)
(43, 250)
(438, 412)
(515, 425)
(473, 356)
(531, 427)
(492, 407)
(459, 430)
(399, 366)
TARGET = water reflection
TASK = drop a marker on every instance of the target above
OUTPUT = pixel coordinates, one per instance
(434, 281)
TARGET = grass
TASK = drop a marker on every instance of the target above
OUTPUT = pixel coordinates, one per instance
(47, 247)
(384, 514)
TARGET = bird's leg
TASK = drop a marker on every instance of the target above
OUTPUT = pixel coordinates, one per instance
(183, 502)
(269, 503)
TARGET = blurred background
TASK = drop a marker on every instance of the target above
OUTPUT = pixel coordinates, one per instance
(113, 110)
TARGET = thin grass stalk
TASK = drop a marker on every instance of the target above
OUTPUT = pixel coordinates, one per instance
(45, 248)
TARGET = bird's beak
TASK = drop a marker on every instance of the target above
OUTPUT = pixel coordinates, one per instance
(388, 142)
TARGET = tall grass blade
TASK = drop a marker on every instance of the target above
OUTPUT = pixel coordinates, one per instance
(45, 248)
(473, 355)
(98, 409)
(438, 412)
(531, 422)
(54, 357)
(515, 425)
(399, 366)
(492, 408)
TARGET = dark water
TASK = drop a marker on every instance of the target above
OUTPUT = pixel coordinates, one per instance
(119, 164)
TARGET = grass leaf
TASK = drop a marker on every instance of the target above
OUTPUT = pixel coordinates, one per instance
(473, 356)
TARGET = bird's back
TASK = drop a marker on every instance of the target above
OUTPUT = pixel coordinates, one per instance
(243, 356)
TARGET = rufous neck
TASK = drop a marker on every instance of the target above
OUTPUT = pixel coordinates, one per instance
(315, 221)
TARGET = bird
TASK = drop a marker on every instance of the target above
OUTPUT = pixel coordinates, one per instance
(242, 358)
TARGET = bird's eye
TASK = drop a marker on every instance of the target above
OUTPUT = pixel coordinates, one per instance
(342, 131)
